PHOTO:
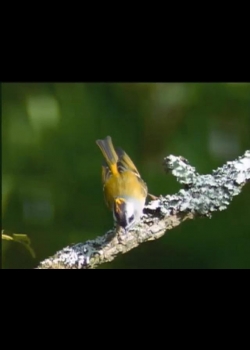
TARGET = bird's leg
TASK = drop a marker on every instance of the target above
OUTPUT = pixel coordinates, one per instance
(152, 196)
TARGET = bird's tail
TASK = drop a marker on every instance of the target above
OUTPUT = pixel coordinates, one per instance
(109, 153)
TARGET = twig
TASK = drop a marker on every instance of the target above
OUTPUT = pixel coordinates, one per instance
(202, 195)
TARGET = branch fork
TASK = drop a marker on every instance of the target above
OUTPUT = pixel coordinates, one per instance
(200, 196)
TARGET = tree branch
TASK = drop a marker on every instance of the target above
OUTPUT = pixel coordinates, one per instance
(202, 195)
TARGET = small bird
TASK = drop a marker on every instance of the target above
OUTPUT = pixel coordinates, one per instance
(124, 190)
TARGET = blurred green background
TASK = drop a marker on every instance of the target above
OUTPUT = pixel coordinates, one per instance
(51, 166)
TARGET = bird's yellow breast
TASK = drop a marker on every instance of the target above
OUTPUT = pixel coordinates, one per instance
(123, 184)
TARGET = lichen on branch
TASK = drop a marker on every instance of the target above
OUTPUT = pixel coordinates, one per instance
(201, 196)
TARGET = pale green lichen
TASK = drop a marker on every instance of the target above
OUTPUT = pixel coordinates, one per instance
(203, 195)
(207, 193)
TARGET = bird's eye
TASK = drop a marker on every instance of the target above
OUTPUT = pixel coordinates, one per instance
(131, 219)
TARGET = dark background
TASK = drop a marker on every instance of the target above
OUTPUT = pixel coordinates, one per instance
(51, 166)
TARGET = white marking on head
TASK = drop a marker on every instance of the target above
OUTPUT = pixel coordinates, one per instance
(130, 209)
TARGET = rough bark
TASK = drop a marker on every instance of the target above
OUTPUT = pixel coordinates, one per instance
(201, 196)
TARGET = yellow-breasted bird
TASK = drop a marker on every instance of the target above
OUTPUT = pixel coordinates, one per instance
(124, 190)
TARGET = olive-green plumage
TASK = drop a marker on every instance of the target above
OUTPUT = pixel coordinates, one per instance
(122, 182)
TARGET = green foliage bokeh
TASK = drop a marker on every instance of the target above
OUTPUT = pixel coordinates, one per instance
(51, 166)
